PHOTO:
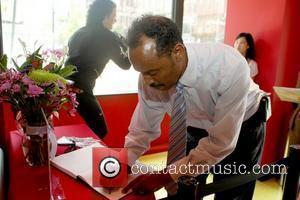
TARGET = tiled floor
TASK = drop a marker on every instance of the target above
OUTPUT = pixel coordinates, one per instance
(268, 190)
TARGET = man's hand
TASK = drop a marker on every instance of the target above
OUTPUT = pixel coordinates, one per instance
(149, 183)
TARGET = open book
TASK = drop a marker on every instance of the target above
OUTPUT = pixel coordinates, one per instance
(288, 94)
(78, 164)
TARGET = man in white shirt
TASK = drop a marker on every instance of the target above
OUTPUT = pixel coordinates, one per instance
(220, 98)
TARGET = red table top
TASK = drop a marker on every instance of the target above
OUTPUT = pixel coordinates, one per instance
(33, 182)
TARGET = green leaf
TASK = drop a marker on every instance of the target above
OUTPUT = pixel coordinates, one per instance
(64, 100)
(56, 69)
(2, 68)
(23, 44)
(24, 65)
(3, 62)
(67, 71)
(16, 65)
(36, 52)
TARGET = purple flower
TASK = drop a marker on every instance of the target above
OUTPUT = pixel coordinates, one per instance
(46, 84)
(16, 76)
(74, 102)
(34, 90)
(45, 52)
(16, 88)
(61, 85)
(58, 53)
(72, 112)
(27, 81)
(5, 86)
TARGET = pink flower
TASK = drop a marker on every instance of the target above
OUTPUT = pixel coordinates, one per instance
(34, 90)
(12, 74)
(28, 96)
(59, 53)
(5, 86)
(72, 112)
(27, 81)
(17, 76)
(74, 102)
(45, 52)
(46, 84)
(2, 75)
(61, 85)
(16, 88)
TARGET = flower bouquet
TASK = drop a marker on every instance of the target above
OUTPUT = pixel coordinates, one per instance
(36, 90)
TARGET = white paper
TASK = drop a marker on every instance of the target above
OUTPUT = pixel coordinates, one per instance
(64, 140)
(78, 164)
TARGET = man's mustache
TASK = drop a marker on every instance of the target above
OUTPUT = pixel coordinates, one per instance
(156, 85)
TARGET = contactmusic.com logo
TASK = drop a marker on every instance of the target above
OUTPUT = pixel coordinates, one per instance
(109, 167)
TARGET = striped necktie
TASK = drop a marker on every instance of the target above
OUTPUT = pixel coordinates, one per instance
(177, 135)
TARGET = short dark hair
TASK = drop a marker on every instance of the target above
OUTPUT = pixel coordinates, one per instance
(251, 50)
(162, 29)
(98, 10)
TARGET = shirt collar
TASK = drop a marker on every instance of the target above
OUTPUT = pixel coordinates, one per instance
(189, 76)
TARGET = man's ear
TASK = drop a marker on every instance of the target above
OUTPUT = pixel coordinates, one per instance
(178, 51)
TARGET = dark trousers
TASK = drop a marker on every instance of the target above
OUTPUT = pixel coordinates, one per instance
(90, 110)
(248, 152)
(89, 107)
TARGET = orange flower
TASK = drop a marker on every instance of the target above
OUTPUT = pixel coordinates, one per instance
(35, 63)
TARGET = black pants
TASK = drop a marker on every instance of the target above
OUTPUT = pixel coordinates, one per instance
(248, 152)
(89, 107)
(91, 112)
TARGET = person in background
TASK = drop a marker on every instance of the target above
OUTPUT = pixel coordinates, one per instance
(90, 49)
(244, 43)
(218, 114)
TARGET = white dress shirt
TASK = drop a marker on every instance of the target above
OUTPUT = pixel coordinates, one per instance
(219, 95)
(253, 68)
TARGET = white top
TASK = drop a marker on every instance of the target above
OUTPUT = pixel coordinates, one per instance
(219, 96)
(253, 68)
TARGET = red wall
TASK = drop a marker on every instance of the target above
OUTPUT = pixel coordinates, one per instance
(274, 27)
(288, 67)
(263, 19)
(118, 110)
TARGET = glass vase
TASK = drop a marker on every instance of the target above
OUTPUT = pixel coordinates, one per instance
(35, 145)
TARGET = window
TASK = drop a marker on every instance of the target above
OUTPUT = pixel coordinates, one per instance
(113, 79)
(51, 22)
(204, 20)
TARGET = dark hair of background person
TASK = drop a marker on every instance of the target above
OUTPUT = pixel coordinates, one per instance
(98, 10)
(162, 29)
(251, 50)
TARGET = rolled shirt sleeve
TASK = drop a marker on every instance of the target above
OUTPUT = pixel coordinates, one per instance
(145, 124)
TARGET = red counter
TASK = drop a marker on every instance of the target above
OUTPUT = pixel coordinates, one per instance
(34, 183)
